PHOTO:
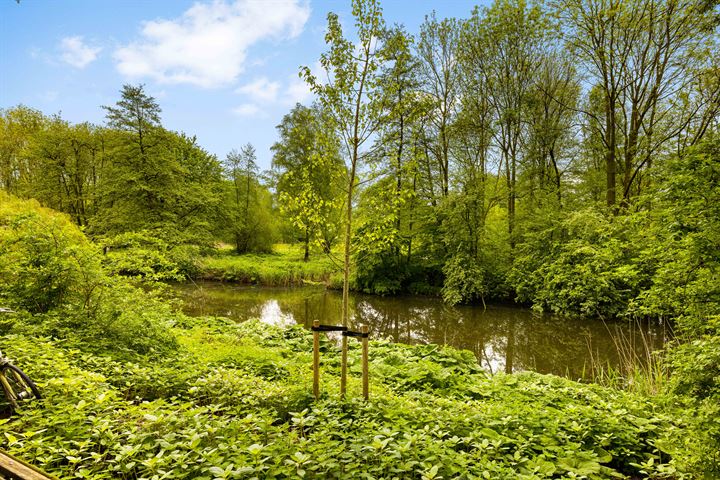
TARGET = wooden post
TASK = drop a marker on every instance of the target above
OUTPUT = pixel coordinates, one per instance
(365, 373)
(316, 360)
(343, 368)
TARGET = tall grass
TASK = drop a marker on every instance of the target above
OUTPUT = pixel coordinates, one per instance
(641, 368)
(282, 268)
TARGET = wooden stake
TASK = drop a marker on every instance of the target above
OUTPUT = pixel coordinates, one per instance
(365, 370)
(316, 360)
(343, 370)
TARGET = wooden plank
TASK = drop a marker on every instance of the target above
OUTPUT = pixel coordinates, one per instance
(14, 468)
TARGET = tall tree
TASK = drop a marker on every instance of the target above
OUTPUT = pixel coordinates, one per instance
(241, 168)
(18, 125)
(641, 55)
(68, 161)
(436, 50)
(351, 96)
(142, 173)
(509, 37)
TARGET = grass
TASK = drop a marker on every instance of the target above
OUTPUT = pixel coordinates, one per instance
(281, 268)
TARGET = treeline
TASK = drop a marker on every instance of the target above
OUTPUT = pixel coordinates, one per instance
(530, 152)
(524, 153)
(133, 183)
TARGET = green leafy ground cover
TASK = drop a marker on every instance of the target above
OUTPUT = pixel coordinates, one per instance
(233, 401)
(283, 267)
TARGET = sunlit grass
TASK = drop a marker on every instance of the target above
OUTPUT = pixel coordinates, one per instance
(283, 267)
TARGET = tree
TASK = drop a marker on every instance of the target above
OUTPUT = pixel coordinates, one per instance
(508, 40)
(142, 173)
(247, 219)
(641, 55)
(18, 125)
(436, 51)
(154, 180)
(309, 170)
(68, 161)
(351, 96)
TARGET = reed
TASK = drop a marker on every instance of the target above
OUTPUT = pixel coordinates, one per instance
(641, 368)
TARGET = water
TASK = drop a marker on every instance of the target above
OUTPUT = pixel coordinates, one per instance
(503, 338)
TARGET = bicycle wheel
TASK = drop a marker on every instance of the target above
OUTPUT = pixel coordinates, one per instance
(20, 386)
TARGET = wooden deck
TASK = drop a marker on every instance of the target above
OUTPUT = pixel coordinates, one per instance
(13, 468)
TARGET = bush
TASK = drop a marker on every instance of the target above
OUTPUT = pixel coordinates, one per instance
(49, 269)
(588, 263)
(464, 280)
(45, 261)
(145, 255)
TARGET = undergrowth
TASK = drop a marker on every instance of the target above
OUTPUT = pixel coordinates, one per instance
(234, 402)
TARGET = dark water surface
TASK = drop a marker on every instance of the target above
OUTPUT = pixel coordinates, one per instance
(503, 338)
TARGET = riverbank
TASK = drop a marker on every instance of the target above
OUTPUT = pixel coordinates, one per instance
(502, 337)
(283, 267)
(234, 402)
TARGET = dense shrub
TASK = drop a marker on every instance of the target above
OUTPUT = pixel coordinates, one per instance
(146, 255)
(50, 270)
(587, 263)
(464, 280)
(45, 261)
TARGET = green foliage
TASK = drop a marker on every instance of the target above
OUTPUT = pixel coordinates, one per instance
(464, 280)
(49, 268)
(45, 261)
(586, 263)
(144, 255)
(247, 219)
(217, 410)
(310, 172)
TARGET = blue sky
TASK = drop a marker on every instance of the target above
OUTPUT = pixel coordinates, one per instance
(225, 71)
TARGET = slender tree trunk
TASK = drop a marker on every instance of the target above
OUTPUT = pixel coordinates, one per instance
(348, 226)
(610, 164)
(307, 245)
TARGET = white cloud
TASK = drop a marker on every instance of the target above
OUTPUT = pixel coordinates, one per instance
(246, 110)
(262, 94)
(297, 91)
(207, 46)
(75, 52)
(261, 89)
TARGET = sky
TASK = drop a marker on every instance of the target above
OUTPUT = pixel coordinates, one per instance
(225, 71)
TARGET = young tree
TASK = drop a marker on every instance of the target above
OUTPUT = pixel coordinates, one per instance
(351, 96)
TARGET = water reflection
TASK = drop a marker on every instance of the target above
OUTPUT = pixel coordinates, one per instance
(502, 338)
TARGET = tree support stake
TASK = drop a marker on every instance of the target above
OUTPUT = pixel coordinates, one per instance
(363, 335)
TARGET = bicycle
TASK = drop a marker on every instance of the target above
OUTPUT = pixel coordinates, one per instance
(15, 383)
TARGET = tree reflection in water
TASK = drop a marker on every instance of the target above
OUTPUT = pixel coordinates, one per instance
(503, 338)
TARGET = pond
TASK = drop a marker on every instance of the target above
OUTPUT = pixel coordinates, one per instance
(503, 338)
